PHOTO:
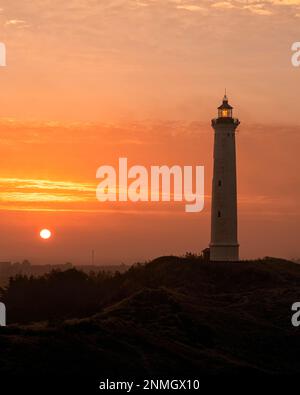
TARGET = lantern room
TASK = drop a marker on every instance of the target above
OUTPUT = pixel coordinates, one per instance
(225, 110)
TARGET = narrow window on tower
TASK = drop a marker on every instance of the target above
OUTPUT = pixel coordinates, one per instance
(219, 214)
(220, 183)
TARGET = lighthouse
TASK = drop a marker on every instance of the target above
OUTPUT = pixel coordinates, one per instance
(224, 238)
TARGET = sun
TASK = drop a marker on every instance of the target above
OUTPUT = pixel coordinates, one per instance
(45, 234)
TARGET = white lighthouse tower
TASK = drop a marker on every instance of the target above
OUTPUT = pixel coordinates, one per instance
(224, 243)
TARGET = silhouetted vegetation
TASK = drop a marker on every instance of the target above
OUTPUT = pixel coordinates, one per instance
(173, 315)
(66, 294)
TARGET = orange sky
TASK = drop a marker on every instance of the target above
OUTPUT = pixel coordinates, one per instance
(87, 82)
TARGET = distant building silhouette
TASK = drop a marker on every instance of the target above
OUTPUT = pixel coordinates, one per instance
(9, 269)
(224, 243)
(206, 254)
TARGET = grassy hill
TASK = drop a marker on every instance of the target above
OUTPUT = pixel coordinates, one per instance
(172, 316)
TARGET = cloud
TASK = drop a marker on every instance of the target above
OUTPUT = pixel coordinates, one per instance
(113, 58)
(30, 190)
(190, 7)
(258, 9)
(19, 23)
(223, 4)
(267, 7)
(285, 2)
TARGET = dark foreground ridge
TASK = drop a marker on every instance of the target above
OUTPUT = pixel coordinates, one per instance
(170, 317)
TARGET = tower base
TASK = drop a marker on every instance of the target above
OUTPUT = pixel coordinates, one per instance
(224, 252)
